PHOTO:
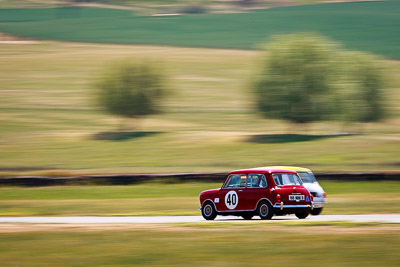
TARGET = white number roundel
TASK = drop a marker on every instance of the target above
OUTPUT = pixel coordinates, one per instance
(231, 200)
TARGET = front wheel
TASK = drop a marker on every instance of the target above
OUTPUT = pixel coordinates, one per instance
(208, 211)
(316, 211)
(264, 210)
(302, 214)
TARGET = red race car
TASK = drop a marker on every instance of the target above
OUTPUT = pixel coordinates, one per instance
(261, 191)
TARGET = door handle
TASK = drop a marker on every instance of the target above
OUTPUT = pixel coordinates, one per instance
(240, 190)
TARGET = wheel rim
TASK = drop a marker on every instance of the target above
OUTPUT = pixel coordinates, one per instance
(207, 210)
(264, 210)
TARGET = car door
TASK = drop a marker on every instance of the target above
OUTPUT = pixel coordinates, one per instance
(256, 189)
(232, 195)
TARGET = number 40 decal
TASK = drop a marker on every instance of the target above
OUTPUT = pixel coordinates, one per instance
(231, 200)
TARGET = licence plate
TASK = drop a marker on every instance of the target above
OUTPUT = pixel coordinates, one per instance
(296, 198)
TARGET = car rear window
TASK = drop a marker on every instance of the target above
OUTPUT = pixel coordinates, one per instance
(286, 179)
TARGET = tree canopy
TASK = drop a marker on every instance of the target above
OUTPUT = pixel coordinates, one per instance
(131, 90)
(306, 78)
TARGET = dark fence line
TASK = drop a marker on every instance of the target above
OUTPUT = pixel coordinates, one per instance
(360, 176)
(114, 179)
(125, 179)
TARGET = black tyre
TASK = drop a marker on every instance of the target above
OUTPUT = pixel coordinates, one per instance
(264, 210)
(316, 211)
(208, 211)
(247, 216)
(302, 214)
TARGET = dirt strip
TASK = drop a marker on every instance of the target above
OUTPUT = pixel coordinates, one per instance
(364, 229)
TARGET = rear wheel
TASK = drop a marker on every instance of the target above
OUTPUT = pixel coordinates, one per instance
(264, 210)
(316, 211)
(208, 211)
(302, 214)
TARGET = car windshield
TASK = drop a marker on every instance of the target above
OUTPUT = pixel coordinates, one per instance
(307, 177)
(286, 179)
(236, 181)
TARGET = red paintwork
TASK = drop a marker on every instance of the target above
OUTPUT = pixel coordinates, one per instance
(248, 198)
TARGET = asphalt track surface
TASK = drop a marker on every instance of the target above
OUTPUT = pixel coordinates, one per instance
(379, 218)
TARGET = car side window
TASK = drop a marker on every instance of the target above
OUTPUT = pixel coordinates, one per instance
(277, 179)
(256, 180)
(263, 181)
(307, 177)
(236, 181)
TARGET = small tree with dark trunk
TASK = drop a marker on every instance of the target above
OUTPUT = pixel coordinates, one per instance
(131, 90)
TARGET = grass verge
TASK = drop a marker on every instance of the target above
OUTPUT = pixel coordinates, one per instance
(177, 246)
(156, 199)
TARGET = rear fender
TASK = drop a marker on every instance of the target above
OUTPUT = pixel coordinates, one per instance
(262, 200)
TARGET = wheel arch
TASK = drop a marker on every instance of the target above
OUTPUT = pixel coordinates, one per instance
(263, 200)
(209, 200)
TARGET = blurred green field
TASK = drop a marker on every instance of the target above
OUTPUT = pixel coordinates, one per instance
(157, 199)
(49, 124)
(255, 245)
(162, 5)
(368, 26)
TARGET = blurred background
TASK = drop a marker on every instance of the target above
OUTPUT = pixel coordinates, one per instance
(140, 86)
(211, 116)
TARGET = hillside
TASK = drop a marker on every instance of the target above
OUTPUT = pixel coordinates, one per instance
(49, 121)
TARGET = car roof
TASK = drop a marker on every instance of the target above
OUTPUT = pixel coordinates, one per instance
(263, 170)
(292, 168)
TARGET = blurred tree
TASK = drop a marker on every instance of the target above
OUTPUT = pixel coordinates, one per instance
(131, 90)
(296, 79)
(306, 78)
(361, 86)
